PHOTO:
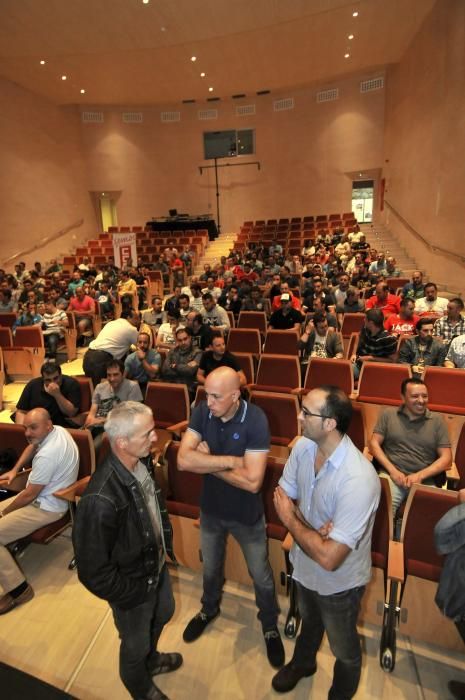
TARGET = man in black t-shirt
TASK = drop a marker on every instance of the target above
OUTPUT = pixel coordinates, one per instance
(60, 395)
(218, 356)
(228, 442)
(286, 318)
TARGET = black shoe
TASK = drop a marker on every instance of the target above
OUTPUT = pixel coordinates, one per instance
(274, 647)
(197, 625)
(155, 694)
(166, 663)
(457, 689)
(287, 678)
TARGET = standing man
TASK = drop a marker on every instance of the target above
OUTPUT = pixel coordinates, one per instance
(410, 443)
(55, 465)
(112, 343)
(337, 493)
(228, 441)
(121, 536)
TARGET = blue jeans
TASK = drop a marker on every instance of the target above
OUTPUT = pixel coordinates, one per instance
(337, 615)
(253, 543)
(139, 630)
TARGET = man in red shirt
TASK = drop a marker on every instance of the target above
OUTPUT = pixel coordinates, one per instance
(382, 299)
(405, 322)
(84, 309)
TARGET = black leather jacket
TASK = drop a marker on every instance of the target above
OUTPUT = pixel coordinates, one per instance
(114, 542)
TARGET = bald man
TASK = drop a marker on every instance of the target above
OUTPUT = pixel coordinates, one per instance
(55, 463)
(228, 442)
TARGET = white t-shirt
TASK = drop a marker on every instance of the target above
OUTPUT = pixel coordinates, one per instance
(56, 465)
(116, 337)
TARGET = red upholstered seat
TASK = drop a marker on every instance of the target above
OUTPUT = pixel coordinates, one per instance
(184, 488)
(446, 389)
(380, 383)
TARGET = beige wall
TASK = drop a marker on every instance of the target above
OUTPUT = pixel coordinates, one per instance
(425, 141)
(304, 154)
(43, 186)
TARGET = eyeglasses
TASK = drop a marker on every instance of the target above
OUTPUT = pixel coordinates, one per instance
(309, 414)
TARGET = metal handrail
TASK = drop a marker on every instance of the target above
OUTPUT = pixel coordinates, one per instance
(458, 257)
(43, 242)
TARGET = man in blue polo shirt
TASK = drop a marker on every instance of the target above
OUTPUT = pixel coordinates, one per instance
(337, 493)
(228, 441)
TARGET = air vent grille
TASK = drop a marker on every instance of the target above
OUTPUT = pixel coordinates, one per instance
(372, 84)
(205, 114)
(133, 117)
(327, 95)
(92, 117)
(282, 105)
(245, 110)
(170, 116)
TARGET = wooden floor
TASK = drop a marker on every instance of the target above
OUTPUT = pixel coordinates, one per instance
(66, 637)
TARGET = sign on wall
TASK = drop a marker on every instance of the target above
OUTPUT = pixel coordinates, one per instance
(124, 249)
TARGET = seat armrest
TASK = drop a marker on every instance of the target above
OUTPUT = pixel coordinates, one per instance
(298, 391)
(395, 570)
(73, 492)
(287, 542)
(177, 427)
(19, 482)
(293, 442)
(453, 473)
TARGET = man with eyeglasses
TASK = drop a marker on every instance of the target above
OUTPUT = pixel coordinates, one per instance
(327, 499)
(59, 394)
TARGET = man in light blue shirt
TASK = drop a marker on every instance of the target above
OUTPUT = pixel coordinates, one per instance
(337, 493)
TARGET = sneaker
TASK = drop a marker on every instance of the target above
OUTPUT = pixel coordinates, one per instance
(7, 602)
(166, 663)
(197, 625)
(274, 647)
(288, 676)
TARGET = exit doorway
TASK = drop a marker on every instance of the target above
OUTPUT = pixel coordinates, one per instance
(362, 200)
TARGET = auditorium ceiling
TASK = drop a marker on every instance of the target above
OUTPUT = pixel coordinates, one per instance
(131, 52)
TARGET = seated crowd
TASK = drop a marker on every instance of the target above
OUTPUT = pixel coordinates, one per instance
(181, 338)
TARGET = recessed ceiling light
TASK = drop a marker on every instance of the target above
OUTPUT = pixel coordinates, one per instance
(354, 14)
(163, 29)
(83, 92)
(347, 55)
(202, 75)
(42, 63)
(350, 37)
(193, 58)
(210, 89)
(103, 194)
(145, 2)
(64, 77)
